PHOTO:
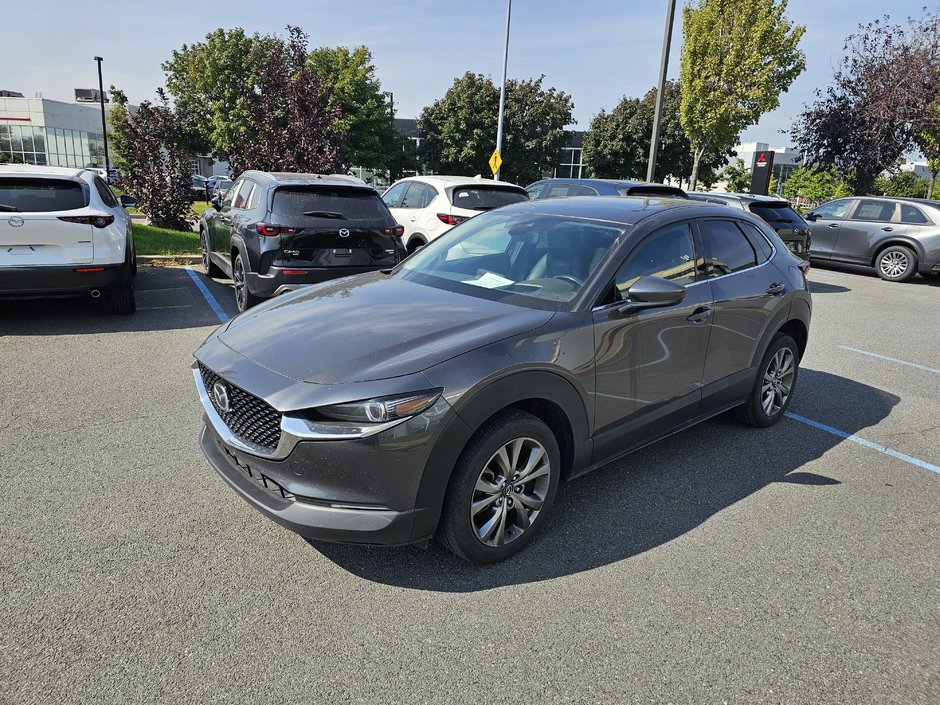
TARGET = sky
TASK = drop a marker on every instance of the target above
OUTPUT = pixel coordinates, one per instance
(597, 51)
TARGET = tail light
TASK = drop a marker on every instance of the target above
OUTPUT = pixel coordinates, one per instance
(397, 231)
(275, 230)
(451, 219)
(99, 221)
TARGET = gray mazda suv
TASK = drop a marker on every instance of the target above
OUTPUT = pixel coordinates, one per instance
(448, 397)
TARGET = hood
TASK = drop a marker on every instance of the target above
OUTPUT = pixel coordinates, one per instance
(370, 327)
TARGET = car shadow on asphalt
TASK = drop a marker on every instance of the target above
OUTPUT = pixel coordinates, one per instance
(651, 497)
(868, 273)
(820, 288)
(167, 299)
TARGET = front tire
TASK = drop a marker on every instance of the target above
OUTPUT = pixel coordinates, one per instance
(244, 299)
(502, 488)
(774, 386)
(209, 268)
(896, 264)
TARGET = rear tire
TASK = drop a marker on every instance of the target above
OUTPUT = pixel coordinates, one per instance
(491, 510)
(123, 301)
(774, 386)
(244, 299)
(415, 244)
(896, 264)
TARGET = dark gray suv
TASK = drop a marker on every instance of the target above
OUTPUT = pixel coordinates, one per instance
(526, 346)
(776, 212)
(899, 237)
(275, 232)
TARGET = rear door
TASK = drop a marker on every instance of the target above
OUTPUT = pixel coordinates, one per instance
(331, 225)
(868, 223)
(44, 222)
(789, 226)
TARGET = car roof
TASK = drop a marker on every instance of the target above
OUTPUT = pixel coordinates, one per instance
(614, 184)
(739, 197)
(34, 170)
(295, 178)
(626, 210)
(450, 180)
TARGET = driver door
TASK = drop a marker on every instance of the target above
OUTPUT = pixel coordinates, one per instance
(649, 364)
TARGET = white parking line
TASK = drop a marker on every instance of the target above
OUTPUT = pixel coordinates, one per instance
(210, 299)
(891, 359)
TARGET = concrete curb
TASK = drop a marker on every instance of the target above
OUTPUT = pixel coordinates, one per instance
(167, 260)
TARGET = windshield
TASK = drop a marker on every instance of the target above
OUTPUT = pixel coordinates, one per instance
(522, 258)
(778, 215)
(486, 198)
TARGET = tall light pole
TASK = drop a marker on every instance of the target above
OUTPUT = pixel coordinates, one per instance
(663, 66)
(104, 122)
(502, 90)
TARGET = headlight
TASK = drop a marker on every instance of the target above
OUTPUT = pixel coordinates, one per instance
(382, 409)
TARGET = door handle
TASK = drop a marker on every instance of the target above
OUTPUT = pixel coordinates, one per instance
(833, 225)
(776, 288)
(700, 315)
(887, 229)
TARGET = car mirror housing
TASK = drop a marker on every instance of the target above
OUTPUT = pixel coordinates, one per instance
(128, 201)
(216, 203)
(652, 292)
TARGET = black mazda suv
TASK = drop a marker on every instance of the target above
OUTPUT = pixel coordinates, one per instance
(275, 232)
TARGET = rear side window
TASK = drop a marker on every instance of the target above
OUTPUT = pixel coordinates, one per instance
(336, 203)
(418, 195)
(477, 198)
(729, 250)
(911, 214)
(764, 250)
(868, 209)
(777, 215)
(41, 195)
(105, 192)
(656, 191)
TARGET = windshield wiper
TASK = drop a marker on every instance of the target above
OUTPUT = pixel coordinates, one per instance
(325, 214)
(9, 209)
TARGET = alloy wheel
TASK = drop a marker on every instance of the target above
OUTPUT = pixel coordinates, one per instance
(778, 381)
(894, 264)
(205, 255)
(510, 491)
(238, 277)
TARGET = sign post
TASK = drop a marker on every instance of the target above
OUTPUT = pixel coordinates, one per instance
(761, 172)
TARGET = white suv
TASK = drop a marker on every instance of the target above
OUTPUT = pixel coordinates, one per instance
(63, 232)
(428, 206)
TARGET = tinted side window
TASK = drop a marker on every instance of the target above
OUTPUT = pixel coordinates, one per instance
(244, 191)
(105, 192)
(763, 248)
(418, 195)
(729, 250)
(535, 190)
(230, 194)
(835, 210)
(587, 191)
(254, 198)
(668, 253)
(869, 209)
(561, 190)
(393, 196)
(911, 214)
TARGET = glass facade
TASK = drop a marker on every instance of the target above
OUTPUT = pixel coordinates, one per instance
(25, 144)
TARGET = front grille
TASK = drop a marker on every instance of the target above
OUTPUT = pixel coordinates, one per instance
(248, 417)
(268, 484)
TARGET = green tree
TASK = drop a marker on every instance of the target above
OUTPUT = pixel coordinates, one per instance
(737, 177)
(902, 184)
(208, 81)
(928, 141)
(153, 163)
(459, 130)
(737, 57)
(366, 114)
(815, 184)
(617, 144)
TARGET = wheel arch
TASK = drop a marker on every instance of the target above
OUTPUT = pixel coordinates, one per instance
(897, 241)
(546, 395)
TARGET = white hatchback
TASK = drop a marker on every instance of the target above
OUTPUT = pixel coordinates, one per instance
(63, 232)
(428, 206)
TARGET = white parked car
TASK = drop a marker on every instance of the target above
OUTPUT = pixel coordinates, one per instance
(428, 206)
(63, 232)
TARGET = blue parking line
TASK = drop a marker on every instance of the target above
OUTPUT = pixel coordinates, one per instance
(210, 299)
(863, 442)
(891, 359)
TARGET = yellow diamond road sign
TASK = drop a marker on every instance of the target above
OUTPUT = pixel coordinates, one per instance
(496, 162)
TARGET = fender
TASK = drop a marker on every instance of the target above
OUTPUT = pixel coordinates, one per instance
(797, 310)
(903, 241)
(473, 410)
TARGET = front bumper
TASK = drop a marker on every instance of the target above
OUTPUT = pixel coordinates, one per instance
(73, 280)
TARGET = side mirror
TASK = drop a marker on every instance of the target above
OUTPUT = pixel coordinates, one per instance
(652, 292)
(810, 217)
(216, 203)
(128, 201)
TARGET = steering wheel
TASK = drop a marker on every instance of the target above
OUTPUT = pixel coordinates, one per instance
(570, 279)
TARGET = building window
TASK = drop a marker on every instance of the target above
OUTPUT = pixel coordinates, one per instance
(570, 165)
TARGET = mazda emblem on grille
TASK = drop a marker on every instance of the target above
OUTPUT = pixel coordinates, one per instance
(16, 222)
(344, 233)
(220, 394)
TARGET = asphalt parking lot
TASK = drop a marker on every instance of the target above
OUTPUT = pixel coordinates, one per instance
(724, 565)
